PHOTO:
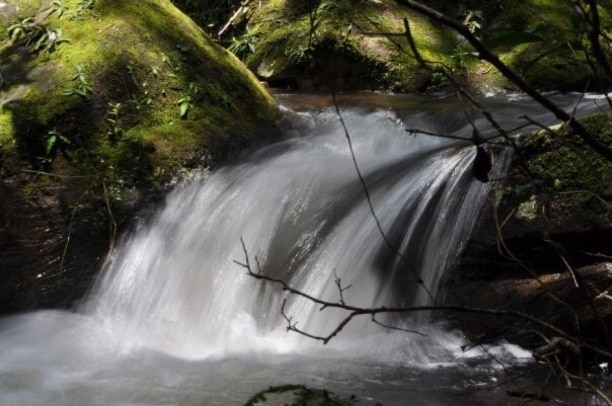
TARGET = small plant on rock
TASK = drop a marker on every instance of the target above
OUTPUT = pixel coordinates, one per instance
(35, 36)
(115, 132)
(185, 103)
(82, 88)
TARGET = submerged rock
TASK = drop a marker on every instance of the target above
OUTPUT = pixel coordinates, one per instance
(104, 104)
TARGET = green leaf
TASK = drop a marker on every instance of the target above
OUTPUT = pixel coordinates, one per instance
(505, 37)
(63, 139)
(50, 144)
(184, 105)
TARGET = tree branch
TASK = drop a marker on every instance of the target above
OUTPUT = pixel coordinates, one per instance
(354, 311)
(485, 54)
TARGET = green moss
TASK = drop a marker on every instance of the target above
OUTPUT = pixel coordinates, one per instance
(145, 57)
(365, 39)
(13, 12)
(559, 61)
(567, 171)
(6, 129)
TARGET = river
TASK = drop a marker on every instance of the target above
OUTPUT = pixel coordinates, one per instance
(175, 320)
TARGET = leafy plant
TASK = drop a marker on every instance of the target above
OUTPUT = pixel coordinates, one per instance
(83, 8)
(140, 102)
(142, 97)
(473, 20)
(243, 45)
(298, 53)
(458, 56)
(154, 71)
(185, 103)
(35, 36)
(82, 88)
(54, 139)
(58, 8)
(115, 132)
(175, 68)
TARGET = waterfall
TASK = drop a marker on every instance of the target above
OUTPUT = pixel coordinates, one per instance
(301, 210)
(175, 320)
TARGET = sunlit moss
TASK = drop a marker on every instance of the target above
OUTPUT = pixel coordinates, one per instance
(363, 40)
(564, 170)
(559, 61)
(143, 57)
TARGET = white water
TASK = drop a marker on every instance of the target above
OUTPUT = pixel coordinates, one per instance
(301, 211)
(175, 321)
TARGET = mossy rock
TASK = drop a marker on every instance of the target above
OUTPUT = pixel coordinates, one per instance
(557, 61)
(345, 45)
(559, 175)
(103, 104)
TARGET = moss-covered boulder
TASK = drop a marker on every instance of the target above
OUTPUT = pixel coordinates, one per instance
(546, 42)
(358, 45)
(103, 104)
(341, 44)
(560, 185)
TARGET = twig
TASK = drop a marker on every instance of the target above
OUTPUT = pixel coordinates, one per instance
(56, 175)
(502, 245)
(526, 395)
(485, 54)
(414, 131)
(403, 329)
(112, 226)
(233, 17)
(463, 93)
(355, 311)
(341, 290)
(594, 388)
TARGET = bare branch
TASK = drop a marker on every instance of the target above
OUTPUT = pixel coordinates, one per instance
(594, 388)
(485, 54)
(390, 327)
(354, 311)
(233, 17)
(594, 34)
(112, 225)
(341, 290)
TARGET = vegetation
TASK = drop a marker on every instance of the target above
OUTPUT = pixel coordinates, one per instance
(105, 103)
(356, 45)
(565, 169)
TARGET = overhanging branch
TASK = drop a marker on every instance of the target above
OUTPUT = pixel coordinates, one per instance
(485, 54)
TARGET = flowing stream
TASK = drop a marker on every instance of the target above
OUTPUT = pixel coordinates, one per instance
(174, 320)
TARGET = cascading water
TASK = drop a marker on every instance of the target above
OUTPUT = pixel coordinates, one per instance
(301, 210)
(174, 320)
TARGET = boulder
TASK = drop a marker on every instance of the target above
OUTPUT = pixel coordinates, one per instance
(344, 45)
(104, 105)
